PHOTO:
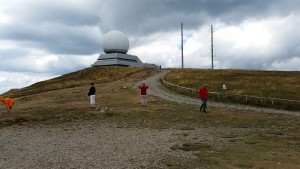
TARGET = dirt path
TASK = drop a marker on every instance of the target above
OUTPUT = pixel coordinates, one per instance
(157, 90)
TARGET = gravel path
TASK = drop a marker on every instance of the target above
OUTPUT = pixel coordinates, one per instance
(88, 145)
(157, 90)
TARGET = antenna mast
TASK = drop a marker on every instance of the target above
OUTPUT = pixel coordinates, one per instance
(182, 46)
(212, 48)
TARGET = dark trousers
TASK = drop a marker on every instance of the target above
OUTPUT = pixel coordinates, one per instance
(203, 105)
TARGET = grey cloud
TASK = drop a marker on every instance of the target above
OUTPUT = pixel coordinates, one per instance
(67, 12)
(26, 64)
(146, 17)
(66, 64)
(52, 25)
(60, 28)
(71, 28)
(57, 39)
(7, 54)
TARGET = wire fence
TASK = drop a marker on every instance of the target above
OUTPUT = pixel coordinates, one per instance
(241, 98)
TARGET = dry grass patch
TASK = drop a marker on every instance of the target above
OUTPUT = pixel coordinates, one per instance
(281, 84)
(98, 75)
(241, 139)
(275, 84)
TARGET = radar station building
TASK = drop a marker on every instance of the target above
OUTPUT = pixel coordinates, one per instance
(115, 46)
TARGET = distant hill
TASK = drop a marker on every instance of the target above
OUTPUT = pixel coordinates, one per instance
(97, 75)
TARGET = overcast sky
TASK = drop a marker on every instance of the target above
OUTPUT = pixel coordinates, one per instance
(41, 39)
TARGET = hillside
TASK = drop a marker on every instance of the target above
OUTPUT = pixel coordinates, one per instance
(82, 78)
(278, 84)
(65, 97)
(268, 84)
(120, 133)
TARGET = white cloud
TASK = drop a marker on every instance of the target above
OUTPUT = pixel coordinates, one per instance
(197, 49)
(18, 80)
(285, 65)
(253, 43)
(40, 68)
(4, 19)
(161, 49)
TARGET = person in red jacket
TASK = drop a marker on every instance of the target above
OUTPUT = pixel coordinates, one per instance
(9, 103)
(143, 87)
(203, 94)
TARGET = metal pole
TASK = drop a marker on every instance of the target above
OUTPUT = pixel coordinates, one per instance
(182, 46)
(212, 48)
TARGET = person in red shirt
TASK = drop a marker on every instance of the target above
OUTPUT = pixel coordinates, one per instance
(143, 87)
(9, 103)
(203, 94)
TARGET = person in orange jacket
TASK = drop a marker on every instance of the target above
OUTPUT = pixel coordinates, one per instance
(9, 103)
(203, 94)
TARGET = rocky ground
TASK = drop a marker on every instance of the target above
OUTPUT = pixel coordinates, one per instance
(86, 145)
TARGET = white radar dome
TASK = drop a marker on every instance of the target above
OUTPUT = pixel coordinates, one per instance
(115, 42)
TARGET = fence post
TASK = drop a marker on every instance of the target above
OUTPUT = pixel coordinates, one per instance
(225, 95)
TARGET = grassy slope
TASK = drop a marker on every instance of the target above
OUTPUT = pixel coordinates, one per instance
(80, 78)
(275, 84)
(242, 139)
(244, 82)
